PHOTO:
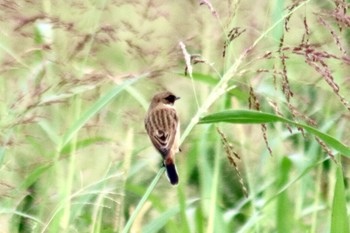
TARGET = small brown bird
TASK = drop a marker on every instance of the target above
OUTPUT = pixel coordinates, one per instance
(163, 127)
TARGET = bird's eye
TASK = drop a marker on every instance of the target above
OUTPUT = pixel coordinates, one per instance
(171, 98)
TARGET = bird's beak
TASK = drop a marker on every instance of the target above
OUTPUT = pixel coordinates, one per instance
(177, 97)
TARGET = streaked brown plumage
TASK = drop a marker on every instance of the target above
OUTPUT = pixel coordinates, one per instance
(163, 128)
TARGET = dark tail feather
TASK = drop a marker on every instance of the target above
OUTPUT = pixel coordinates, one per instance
(172, 173)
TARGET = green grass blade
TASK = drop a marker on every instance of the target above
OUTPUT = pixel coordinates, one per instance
(102, 102)
(340, 219)
(277, 15)
(284, 211)
(34, 176)
(40, 170)
(143, 200)
(254, 117)
(157, 224)
(2, 154)
(181, 193)
(4, 211)
(240, 116)
(85, 143)
(205, 78)
(214, 195)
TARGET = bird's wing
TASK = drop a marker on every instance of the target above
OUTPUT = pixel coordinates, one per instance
(161, 125)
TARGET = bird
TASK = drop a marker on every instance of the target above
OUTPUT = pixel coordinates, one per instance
(163, 128)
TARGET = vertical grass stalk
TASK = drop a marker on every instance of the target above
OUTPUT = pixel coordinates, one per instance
(214, 191)
(119, 213)
(71, 168)
(143, 201)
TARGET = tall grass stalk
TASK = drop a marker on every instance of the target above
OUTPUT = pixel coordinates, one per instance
(317, 199)
(143, 201)
(214, 192)
(119, 220)
(71, 168)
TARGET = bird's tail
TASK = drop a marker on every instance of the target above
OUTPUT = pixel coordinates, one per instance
(171, 171)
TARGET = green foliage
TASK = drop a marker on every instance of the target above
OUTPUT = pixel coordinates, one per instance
(91, 112)
(76, 78)
(284, 208)
(340, 220)
(253, 117)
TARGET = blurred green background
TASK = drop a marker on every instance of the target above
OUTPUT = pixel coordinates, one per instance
(76, 78)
